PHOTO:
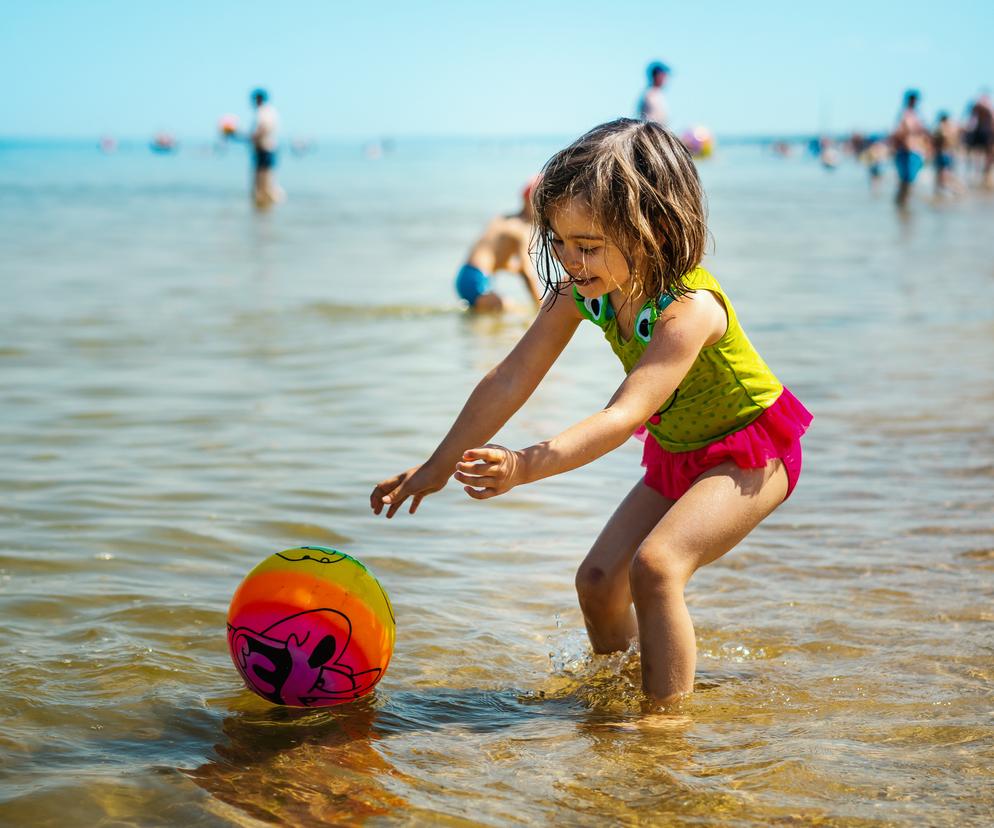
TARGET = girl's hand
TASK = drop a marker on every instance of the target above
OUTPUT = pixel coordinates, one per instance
(417, 483)
(490, 471)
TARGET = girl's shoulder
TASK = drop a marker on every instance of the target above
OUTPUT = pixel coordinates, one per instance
(701, 279)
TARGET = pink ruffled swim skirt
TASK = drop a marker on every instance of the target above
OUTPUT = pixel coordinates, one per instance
(776, 433)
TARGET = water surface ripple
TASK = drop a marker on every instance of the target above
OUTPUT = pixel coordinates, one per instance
(189, 387)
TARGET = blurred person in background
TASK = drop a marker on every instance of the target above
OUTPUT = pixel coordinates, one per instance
(504, 245)
(652, 105)
(910, 142)
(265, 190)
(828, 154)
(980, 136)
(874, 157)
(945, 141)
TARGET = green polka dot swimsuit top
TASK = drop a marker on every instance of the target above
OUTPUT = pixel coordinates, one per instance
(727, 387)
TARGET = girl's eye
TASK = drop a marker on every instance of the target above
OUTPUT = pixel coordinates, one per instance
(586, 251)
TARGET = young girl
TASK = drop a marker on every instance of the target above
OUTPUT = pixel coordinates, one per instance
(621, 232)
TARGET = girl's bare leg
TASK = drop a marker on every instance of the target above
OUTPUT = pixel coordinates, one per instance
(602, 579)
(718, 511)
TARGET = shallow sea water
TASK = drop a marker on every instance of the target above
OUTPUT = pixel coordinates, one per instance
(190, 386)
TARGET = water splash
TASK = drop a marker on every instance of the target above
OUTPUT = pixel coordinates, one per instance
(609, 683)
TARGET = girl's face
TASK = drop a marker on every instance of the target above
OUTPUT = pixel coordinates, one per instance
(595, 264)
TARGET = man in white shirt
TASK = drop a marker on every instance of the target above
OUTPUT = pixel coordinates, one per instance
(652, 106)
(265, 190)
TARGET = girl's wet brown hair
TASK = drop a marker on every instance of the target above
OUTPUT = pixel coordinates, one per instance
(641, 185)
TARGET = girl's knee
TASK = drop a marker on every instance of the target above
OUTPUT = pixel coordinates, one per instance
(657, 569)
(594, 585)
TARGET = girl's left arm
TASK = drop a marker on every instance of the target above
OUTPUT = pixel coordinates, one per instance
(685, 327)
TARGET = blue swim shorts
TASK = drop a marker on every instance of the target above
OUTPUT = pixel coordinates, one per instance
(471, 283)
(264, 159)
(908, 164)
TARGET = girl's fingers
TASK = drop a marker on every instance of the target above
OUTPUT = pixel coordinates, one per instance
(377, 495)
(390, 491)
(477, 467)
(491, 455)
(379, 503)
(477, 481)
(384, 487)
(394, 500)
(415, 502)
(482, 494)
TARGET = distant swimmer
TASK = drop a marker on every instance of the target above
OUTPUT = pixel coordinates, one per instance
(910, 142)
(265, 190)
(652, 105)
(164, 142)
(504, 245)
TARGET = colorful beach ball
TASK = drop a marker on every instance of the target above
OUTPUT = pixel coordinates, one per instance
(699, 141)
(311, 627)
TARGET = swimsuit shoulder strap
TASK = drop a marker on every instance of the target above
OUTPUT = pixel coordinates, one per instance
(645, 322)
(599, 311)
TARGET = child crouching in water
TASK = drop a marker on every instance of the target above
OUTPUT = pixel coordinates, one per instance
(621, 231)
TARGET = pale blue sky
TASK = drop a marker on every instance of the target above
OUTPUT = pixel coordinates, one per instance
(357, 69)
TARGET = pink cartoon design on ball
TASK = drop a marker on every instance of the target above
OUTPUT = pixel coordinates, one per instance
(310, 630)
(292, 663)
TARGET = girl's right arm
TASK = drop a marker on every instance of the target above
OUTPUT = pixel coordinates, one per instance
(494, 400)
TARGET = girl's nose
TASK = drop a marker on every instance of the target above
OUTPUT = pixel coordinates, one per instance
(575, 266)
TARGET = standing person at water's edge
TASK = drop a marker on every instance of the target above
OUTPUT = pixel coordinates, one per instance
(980, 136)
(652, 105)
(911, 141)
(621, 224)
(265, 190)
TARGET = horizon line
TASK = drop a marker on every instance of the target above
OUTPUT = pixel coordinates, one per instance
(773, 135)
